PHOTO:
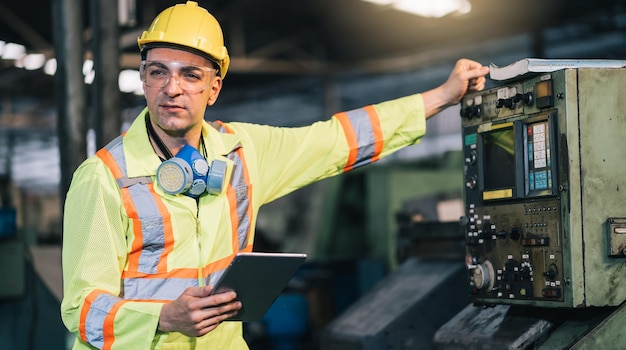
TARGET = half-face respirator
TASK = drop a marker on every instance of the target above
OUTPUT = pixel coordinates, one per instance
(189, 173)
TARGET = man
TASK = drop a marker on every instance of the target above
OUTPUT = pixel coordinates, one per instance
(141, 251)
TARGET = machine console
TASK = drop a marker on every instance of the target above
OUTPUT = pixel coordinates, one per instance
(543, 202)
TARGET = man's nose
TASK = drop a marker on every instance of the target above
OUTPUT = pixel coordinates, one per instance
(172, 86)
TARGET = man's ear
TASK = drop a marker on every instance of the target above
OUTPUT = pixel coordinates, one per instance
(215, 88)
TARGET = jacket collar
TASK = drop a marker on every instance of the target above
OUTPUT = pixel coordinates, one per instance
(142, 160)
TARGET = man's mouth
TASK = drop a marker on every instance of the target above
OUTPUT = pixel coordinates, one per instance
(171, 107)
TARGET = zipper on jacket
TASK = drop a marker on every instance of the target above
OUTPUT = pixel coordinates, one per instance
(199, 245)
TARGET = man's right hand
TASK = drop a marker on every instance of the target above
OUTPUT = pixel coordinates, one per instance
(467, 76)
(196, 312)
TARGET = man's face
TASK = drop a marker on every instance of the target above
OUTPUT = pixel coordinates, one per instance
(177, 105)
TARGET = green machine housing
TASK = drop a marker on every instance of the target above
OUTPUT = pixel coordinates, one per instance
(545, 189)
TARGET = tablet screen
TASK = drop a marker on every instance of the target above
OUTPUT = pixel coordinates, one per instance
(258, 279)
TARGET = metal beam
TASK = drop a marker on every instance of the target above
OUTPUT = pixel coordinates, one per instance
(70, 88)
(107, 121)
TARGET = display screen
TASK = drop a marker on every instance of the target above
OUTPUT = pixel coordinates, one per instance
(538, 158)
(499, 159)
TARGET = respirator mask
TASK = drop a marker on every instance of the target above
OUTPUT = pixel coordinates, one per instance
(189, 173)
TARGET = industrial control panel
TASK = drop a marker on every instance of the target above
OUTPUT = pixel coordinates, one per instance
(545, 189)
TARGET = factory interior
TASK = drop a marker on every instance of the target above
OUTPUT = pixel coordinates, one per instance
(387, 244)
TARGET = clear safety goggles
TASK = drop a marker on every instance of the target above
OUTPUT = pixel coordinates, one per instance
(191, 78)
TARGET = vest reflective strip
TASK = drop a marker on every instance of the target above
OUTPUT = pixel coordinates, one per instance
(364, 135)
(97, 317)
(152, 235)
(147, 276)
(158, 288)
(239, 196)
(126, 182)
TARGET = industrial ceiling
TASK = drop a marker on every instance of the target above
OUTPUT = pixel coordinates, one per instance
(286, 38)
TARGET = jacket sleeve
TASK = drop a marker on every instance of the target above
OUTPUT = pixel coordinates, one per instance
(291, 158)
(94, 255)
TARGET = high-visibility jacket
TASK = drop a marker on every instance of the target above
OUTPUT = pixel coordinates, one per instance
(128, 247)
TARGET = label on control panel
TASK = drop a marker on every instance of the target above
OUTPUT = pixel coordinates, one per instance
(498, 194)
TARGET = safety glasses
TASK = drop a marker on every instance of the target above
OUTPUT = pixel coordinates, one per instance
(190, 78)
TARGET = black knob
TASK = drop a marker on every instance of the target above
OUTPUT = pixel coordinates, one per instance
(526, 98)
(525, 273)
(516, 232)
(464, 113)
(476, 111)
(471, 112)
(550, 274)
(505, 102)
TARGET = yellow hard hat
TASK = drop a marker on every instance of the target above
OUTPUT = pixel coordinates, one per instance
(188, 26)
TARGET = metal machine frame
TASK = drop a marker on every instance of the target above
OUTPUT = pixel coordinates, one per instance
(564, 244)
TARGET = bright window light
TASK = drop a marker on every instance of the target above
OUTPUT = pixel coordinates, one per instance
(428, 8)
(50, 67)
(34, 61)
(87, 66)
(129, 81)
(88, 71)
(13, 51)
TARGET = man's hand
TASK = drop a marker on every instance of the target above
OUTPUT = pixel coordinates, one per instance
(196, 312)
(467, 76)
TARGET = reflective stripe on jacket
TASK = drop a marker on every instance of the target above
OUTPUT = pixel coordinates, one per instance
(129, 247)
(148, 276)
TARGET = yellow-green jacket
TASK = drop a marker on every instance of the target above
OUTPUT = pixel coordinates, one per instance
(128, 247)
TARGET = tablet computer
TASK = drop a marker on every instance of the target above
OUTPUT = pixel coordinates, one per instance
(258, 279)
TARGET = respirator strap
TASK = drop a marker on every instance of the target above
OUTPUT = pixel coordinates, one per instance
(154, 136)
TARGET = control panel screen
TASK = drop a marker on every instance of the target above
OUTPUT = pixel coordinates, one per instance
(499, 159)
